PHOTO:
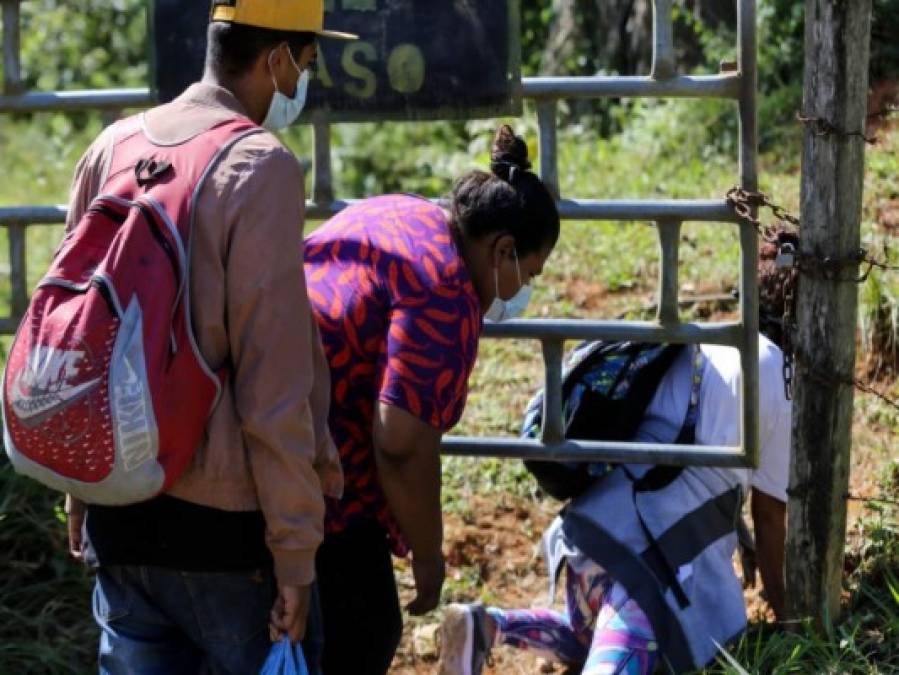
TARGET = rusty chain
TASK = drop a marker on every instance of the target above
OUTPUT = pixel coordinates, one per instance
(744, 202)
(787, 325)
(823, 127)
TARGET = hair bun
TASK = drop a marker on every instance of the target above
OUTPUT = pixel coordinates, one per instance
(509, 155)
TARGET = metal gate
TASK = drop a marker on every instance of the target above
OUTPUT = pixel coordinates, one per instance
(736, 81)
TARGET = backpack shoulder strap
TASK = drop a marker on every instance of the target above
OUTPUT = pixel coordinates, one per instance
(687, 435)
(137, 155)
(659, 477)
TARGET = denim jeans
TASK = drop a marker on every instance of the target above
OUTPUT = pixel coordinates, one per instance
(156, 621)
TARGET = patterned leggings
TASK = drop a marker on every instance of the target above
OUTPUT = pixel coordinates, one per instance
(603, 629)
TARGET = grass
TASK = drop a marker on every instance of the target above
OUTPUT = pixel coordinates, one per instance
(879, 315)
(866, 639)
(598, 270)
(45, 620)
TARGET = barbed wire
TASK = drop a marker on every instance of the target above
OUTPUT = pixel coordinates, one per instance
(795, 262)
(862, 498)
(801, 490)
(831, 380)
(824, 127)
(885, 111)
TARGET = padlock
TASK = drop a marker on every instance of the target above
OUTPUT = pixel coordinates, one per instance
(786, 257)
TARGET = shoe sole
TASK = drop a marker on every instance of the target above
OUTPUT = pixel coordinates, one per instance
(454, 660)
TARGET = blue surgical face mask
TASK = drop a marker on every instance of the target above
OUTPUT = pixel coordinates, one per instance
(283, 111)
(503, 310)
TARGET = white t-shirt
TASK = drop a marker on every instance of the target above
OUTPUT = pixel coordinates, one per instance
(718, 417)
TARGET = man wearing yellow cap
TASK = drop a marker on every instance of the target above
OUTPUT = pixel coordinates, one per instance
(202, 577)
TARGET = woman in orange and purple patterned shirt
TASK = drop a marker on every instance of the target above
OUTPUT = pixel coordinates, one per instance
(400, 287)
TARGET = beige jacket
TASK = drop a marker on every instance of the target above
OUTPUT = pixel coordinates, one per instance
(267, 445)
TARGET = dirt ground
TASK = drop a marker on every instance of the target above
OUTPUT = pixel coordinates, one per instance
(500, 546)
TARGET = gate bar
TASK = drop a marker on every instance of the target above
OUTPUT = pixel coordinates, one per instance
(669, 240)
(720, 333)
(594, 451)
(12, 65)
(553, 429)
(663, 40)
(698, 210)
(695, 210)
(37, 101)
(12, 216)
(548, 153)
(726, 85)
(322, 185)
(608, 86)
(749, 299)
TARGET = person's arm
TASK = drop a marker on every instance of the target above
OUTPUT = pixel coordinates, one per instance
(770, 480)
(769, 517)
(432, 337)
(75, 510)
(268, 325)
(407, 454)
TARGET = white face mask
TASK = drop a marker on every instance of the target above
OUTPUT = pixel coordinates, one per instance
(503, 310)
(283, 111)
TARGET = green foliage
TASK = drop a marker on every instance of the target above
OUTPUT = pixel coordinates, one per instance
(781, 53)
(45, 624)
(416, 158)
(780, 57)
(39, 155)
(879, 296)
(84, 45)
(536, 18)
(866, 639)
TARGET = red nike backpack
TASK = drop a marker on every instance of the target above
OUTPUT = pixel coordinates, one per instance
(105, 394)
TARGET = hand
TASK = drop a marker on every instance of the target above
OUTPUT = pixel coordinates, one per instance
(429, 573)
(75, 511)
(289, 613)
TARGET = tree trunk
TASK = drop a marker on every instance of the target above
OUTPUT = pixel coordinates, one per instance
(588, 36)
(599, 35)
(836, 74)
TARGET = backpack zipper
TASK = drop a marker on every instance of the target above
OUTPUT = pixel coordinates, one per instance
(103, 290)
(115, 216)
(157, 233)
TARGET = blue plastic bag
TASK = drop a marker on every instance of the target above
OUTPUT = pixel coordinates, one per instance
(285, 659)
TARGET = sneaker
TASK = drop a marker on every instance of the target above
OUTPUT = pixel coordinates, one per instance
(464, 642)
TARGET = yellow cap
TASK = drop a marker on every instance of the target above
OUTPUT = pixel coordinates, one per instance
(301, 16)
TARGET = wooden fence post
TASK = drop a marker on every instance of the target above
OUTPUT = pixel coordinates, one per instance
(837, 37)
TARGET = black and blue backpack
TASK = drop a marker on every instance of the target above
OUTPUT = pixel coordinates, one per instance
(606, 389)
